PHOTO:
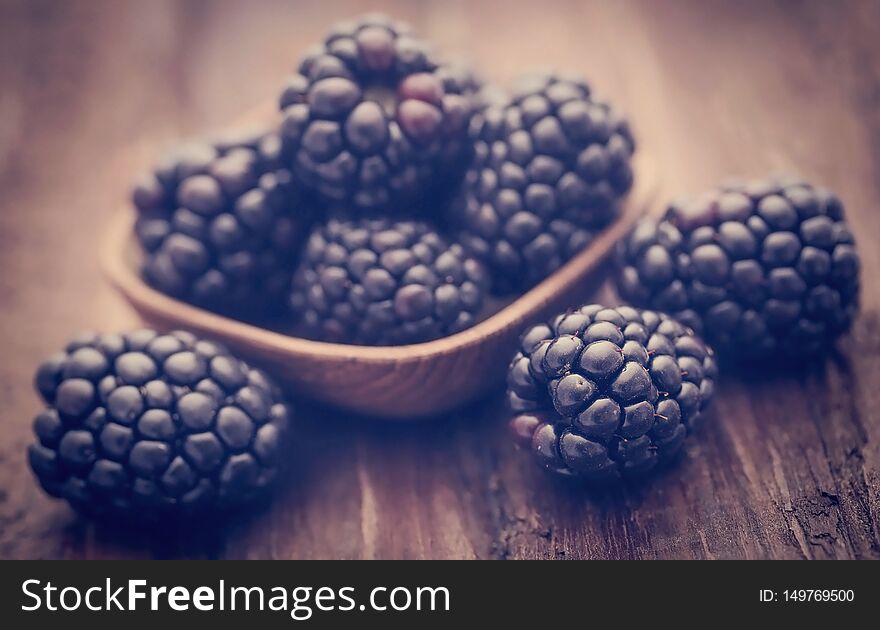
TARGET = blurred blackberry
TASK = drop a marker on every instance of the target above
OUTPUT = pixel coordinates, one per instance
(762, 268)
(372, 119)
(550, 168)
(147, 425)
(601, 393)
(220, 224)
(385, 282)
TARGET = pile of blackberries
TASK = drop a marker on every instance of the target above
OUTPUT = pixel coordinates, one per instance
(392, 196)
(390, 200)
(764, 270)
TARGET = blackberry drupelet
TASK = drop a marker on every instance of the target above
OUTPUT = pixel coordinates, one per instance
(371, 118)
(148, 425)
(220, 225)
(385, 282)
(763, 268)
(600, 393)
(550, 168)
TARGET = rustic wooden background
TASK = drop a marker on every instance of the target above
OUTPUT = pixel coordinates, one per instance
(788, 467)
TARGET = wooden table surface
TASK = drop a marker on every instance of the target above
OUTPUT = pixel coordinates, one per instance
(788, 465)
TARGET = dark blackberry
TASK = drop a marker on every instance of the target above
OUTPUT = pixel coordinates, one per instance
(601, 393)
(762, 268)
(385, 282)
(220, 224)
(372, 118)
(550, 168)
(148, 425)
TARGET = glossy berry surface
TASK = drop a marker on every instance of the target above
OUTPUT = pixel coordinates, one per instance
(385, 282)
(549, 170)
(144, 425)
(604, 393)
(763, 268)
(371, 118)
(220, 224)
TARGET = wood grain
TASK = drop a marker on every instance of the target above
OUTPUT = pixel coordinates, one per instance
(788, 465)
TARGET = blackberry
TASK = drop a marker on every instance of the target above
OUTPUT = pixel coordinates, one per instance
(764, 268)
(549, 170)
(371, 118)
(380, 281)
(143, 424)
(220, 223)
(601, 393)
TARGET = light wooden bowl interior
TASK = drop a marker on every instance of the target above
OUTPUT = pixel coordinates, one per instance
(403, 382)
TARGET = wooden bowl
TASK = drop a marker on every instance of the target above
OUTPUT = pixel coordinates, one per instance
(403, 382)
